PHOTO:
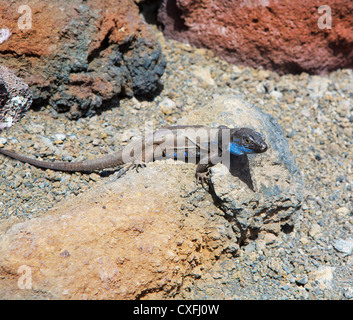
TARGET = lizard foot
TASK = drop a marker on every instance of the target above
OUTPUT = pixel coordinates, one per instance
(202, 177)
(135, 165)
(138, 165)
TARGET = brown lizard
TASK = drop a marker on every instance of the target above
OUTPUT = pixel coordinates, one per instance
(204, 145)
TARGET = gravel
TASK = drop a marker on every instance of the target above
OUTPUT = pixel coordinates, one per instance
(312, 261)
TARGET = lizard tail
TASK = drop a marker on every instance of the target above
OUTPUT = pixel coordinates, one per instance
(109, 161)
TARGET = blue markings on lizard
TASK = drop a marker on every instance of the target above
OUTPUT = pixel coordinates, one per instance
(238, 150)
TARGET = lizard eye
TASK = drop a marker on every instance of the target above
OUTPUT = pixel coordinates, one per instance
(247, 141)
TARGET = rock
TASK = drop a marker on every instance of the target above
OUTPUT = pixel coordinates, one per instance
(125, 240)
(318, 86)
(204, 76)
(348, 293)
(146, 233)
(276, 94)
(302, 280)
(284, 36)
(15, 98)
(5, 33)
(324, 276)
(269, 238)
(59, 137)
(257, 190)
(344, 246)
(343, 211)
(315, 230)
(78, 57)
(3, 141)
(168, 106)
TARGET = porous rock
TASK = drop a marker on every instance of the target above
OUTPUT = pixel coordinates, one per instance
(136, 238)
(284, 36)
(15, 98)
(258, 191)
(81, 57)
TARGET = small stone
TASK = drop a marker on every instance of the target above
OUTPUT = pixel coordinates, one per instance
(276, 94)
(17, 182)
(270, 238)
(344, 246)
(3, 141)
(168, 106)
(217, 275)
(65, 254)
(128, 134)
(348, 293)
(285, 287)
(291, 134)
(314, 230)
(343, 211)
(59, 136)
(324, 276)
(204, 76)
(94, 176)
(67, 157)
(302, 280)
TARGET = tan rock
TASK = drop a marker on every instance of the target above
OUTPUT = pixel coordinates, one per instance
(124, 240)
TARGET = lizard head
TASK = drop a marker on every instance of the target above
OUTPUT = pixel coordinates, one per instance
(245, 140)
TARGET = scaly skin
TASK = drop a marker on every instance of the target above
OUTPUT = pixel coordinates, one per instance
(204, 145)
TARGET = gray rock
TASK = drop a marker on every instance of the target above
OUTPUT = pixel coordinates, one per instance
(257, 189)
(348, 293)
(344, 246)
(15, 98)
(302, 280)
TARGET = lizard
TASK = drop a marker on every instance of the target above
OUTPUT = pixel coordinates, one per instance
(205, 146)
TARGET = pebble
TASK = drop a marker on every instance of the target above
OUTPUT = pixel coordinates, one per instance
(269, 238)
(59, 136)
(3, 141)
(348, 293)
(344, 211)
(276, 94)
(204, 76)
(344, 245)
(168, 106)
(314, 230)
(302, 280)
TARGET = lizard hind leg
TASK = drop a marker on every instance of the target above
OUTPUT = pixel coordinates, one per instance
(134, 165)
(137, 164)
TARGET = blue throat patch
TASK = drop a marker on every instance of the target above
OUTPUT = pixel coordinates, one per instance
(238, 150)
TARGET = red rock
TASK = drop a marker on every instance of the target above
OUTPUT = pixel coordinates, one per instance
(67, 40)
(279, 35)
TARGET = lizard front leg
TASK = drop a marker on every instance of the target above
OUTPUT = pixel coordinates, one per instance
(202, 168)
